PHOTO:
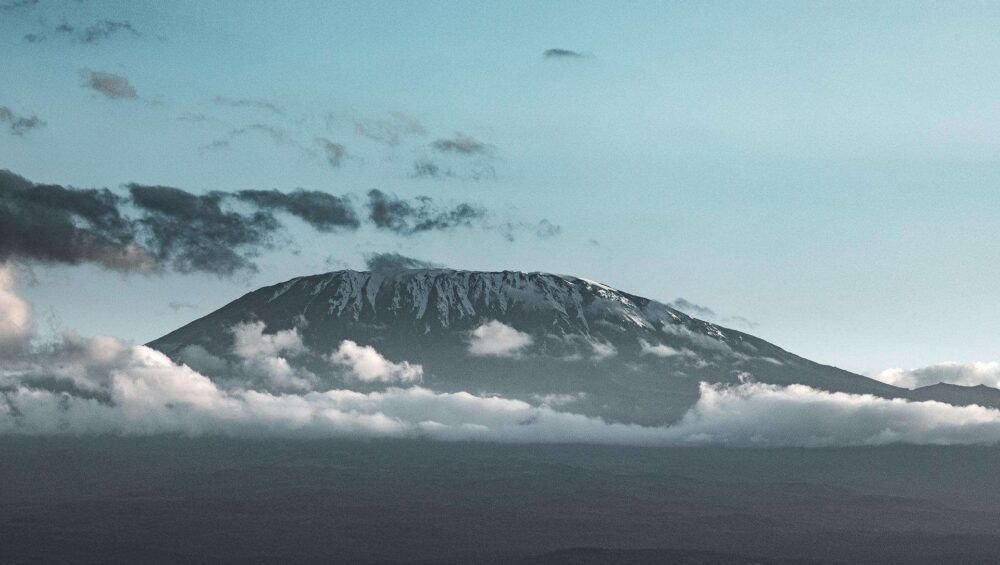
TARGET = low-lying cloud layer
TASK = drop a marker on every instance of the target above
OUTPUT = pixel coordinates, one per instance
(146, 393)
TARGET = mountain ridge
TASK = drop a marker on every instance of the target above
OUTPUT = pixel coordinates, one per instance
(621, 356)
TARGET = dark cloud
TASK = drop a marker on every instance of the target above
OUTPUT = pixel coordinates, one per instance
(54, 224)
(462, 145)
(18, 124)
(257, 103)
(557, 53)
(176, 229)
(335, 152)
(323, 211)
(115, 87)
(154, 229)
(408, 217)
(394, 262)
(193, 233)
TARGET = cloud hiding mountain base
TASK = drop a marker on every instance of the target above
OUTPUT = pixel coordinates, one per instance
(144, 392)
(79, 386)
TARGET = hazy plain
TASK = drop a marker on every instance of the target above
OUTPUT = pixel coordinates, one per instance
(160, 499)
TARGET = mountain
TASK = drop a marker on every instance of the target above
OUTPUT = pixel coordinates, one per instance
(584, 345)
(959, 395)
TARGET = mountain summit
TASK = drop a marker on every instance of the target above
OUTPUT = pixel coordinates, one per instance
(536, 336)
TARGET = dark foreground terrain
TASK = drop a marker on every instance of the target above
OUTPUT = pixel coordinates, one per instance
(209, 500)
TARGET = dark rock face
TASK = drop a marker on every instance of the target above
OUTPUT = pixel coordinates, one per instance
(599, 350)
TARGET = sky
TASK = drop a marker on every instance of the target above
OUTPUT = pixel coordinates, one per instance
(822, 175)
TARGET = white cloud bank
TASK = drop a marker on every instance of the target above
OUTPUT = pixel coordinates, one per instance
(266, 355)
(366, 365)
(965, 374)
(496, 339)
(150, 394)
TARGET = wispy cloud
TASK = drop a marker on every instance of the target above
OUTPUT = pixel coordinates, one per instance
(99, 31)
(282, 137)
(334, 152)
(389, 131)
(425, 168)
(543, 229)
(257, 103)
(92, 34)
(178, 305)
(709, 315)
(18, 124)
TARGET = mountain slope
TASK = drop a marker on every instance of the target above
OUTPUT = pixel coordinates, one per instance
(599, 350)
(959, 395)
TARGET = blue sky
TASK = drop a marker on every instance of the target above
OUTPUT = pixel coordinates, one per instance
(828, 171)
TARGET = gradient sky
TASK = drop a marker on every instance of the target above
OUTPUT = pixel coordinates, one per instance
(828, 171)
